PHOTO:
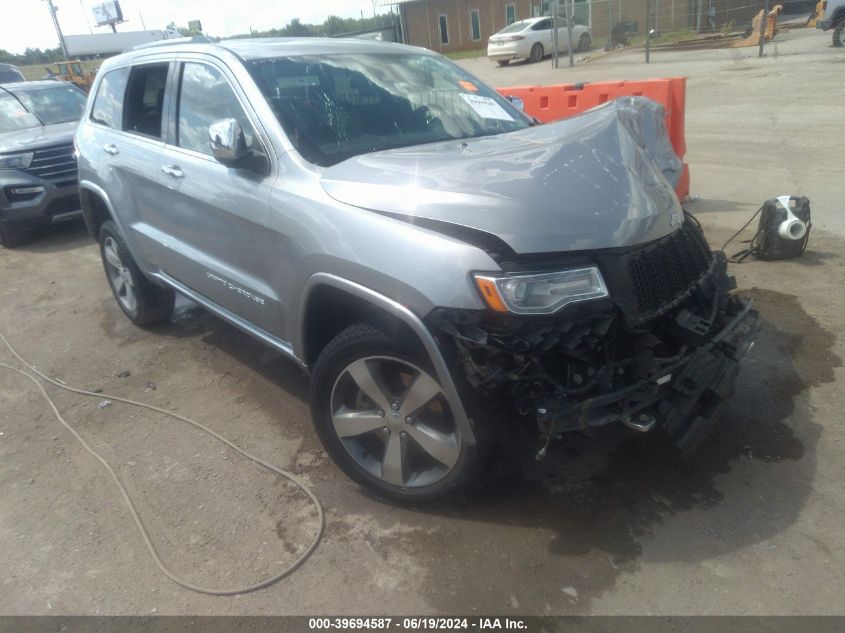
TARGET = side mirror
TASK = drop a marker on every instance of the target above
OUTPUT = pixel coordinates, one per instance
(228, 144)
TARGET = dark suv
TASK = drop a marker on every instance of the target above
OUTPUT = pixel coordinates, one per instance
(10, 74)
(38, 177)
(450, 273)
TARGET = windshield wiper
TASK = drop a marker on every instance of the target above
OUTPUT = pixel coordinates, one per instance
(15, 97)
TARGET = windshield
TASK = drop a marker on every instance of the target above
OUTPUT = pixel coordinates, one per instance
(40, 106)
(336, 106)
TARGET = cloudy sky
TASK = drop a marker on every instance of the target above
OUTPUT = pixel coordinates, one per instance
(27, 22)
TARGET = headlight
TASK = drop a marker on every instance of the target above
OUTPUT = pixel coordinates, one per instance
(15, 161)
(541, 294)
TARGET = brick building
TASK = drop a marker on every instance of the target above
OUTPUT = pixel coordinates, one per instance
(448, 26)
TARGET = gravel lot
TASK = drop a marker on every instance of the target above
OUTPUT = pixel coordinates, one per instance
(607, 524)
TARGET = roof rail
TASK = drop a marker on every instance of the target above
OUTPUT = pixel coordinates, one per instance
(195, 39)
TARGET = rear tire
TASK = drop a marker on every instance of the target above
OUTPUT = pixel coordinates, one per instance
(838, 40)
(142, 301)
(404, 456)
(537, 53)
(584, 42)
(502, 62)
(11, 235)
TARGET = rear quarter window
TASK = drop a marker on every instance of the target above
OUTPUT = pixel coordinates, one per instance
(108, 103)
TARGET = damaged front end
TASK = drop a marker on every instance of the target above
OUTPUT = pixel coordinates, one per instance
(662, 350)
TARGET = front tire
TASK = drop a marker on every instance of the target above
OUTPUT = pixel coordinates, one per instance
(143, 302)
(11, 235)
(838, 40)
(383, 418)
(537, 53)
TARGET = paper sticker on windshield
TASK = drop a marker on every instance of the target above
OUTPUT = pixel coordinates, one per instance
(486, 107)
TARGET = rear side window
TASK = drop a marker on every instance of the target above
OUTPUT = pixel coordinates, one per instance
(205, 96)
(144, 103)
(542, 25)
(108, 104)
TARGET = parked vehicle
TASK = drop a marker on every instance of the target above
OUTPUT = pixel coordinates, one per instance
(38, 179)
(531, 39)
(10, 74)
(834, 19)
(451, 274)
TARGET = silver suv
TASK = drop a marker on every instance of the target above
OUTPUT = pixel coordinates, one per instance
(457, 279)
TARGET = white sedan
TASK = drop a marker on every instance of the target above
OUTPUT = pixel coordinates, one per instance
(532, 39)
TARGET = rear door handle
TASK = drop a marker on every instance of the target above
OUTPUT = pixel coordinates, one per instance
(110, 148)
(174, 171)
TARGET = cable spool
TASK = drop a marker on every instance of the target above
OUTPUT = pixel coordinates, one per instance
(782, 232)
(784, 228)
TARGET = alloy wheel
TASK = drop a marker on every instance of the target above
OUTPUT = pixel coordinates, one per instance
(119, 275)
(393, 419)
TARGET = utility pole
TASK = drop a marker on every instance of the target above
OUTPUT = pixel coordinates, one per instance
(58, 28)
(698, 8)
(570, 13)
(555, 8)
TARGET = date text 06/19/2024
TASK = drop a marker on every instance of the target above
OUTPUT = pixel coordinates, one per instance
(417, 624)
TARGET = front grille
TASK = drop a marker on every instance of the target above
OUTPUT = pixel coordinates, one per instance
(54, 163)
(660, 272)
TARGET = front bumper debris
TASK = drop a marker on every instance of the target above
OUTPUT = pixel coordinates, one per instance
(672, 367)
(684, 398)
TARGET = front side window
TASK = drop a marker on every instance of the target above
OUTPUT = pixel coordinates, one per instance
(108, 103)
(336, 106)
(474, 25)
(444, 29)
(205, 96)
(33, 106)
(144, 103)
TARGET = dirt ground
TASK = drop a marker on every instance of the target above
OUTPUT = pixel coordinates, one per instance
(608, 524)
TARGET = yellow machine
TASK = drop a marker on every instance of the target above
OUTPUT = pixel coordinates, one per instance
(73, 72)
(818, 14)
(758, 24)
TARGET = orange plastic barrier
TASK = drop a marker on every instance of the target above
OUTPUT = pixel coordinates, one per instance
(551, 103)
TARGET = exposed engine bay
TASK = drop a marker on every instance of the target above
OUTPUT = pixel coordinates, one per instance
(662, 351)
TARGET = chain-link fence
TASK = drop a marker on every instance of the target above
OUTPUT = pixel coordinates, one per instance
(740, 27)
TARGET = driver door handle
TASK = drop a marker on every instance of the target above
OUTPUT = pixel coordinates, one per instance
(174, 171)
(110, 148)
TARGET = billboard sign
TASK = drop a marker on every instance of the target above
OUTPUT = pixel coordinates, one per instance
(107, 13)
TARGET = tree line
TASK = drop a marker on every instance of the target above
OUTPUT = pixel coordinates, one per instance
(333, 25)
(31, 56)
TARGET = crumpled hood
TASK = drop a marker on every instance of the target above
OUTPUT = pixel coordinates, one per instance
(35, 137)
(602, 179)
